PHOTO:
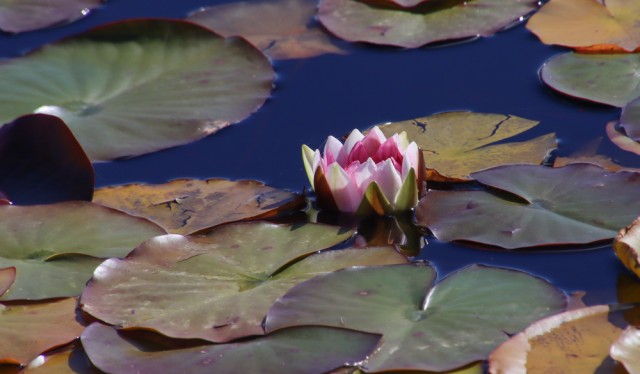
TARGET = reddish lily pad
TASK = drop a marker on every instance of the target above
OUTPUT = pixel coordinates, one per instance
(575, 204)
(185, 206)
(281, 29)
(627, 349)
(576, 341)
(54, 248)
(28, 330)
(225, 282)
(21, 15)
(7, 277)
(138, 86)
(627, 247)
(432, 21)
(424, 326)
(298, 350)
(42, 163)
(612, 79)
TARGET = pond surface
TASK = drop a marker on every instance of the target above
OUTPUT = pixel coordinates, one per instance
(333, 94)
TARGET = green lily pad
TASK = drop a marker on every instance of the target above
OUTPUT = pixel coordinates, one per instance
(28, 330)
(455, 144)
(20, 15)
(299, 350)
(135, 87)
(612, 79)
(574, 204)
(432, 21)
(54, 248)
(425, 326)
(224, 283)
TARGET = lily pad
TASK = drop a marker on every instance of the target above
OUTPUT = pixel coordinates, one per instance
(7, 277)
(185, 206)
(589, 25)
(300, 350)
(455, 144)
(38, 241)
(576, 341)
(281, 29)
(621, 139)
(627, 247)
(589, 154)
(429, 22)
(65, 360)
(28, 330)
(612, 79)
(627, 349)
(575, 204)
(138, 86)
(630, 119)
(20, 16)
(42, 163)
(225, 282)
(425, 326)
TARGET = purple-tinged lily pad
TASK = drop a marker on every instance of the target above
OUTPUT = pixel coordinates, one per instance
(612, 79)
(224, 283)
(301, 350)
(432, 21)
(574, 204)
(27, 15)
(7, 277)
(42, 163)
(424, 326)
(630, 119)
(138, 86)
(55, 247)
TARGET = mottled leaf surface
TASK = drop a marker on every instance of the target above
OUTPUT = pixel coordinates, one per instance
(575, 204)
(425, 326)
(455, 144)
(28, 15)
(28, 330)
(184, 206)
(281, 29)
(612, 79)
(42, 163)
(432, 21)
(299, 350)
(138, 86)
(224, 283)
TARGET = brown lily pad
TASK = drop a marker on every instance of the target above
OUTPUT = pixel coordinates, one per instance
(20, 15)
(627, 247)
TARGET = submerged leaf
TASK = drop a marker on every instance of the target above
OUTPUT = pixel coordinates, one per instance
(224, 283)
(134, 87)
(425, 326)
(185, 206)
(28, 330)
(627, 247)
(281, 29)
(455, 144)
(429, 22)
(42, 163)
(28, 15)
(299, 350)
(575, 204)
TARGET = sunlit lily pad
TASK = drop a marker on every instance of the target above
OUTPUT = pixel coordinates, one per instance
(134, 87)
(627, 246)
(612, 79)
(225, 282)
(432, 21)
(425, 326)
(627, 349)
(576, 341)
(299, 350)
(185, 206)
(35, 239)
(27, 15)
(589, 25)
(455, 144)
(281, 29)
(28, 330)
(575, 204)
(7, 277)
(42, 163)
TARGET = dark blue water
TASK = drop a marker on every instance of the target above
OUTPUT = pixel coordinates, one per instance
(333, 94)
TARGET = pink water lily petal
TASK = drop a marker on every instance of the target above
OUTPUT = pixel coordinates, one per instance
(388, 179)
(354, 137)
(344, 190)
(332, 149)
(364, 175)
(389, 150)
(373, 140)
(358, 153)
(411, 159)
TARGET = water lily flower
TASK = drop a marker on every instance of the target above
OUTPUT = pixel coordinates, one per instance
(367, 173)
